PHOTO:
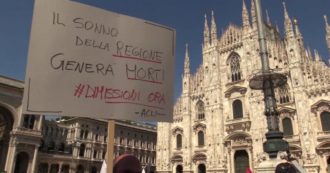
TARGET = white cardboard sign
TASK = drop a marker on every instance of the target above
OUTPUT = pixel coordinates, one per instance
(85, 61)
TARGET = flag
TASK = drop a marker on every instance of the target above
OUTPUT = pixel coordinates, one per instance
(104, 167)
(298, 166)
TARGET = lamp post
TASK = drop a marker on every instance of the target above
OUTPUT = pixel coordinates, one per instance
(266, 80)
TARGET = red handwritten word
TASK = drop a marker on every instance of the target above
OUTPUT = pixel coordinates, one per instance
(104, 93)
(156, 97)
(146, 74)
(119, 96)
(136, 58)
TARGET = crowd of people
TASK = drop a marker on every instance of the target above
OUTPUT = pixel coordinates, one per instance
(128, 163)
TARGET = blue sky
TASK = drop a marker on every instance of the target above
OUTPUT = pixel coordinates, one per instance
(186, 16)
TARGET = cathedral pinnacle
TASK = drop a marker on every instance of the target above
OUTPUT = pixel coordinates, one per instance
(297, 30)
(327, 28)
(213, 30)
(206, 32)
(254, 15)
(186, 61)
(317, 56)
(287, 23)
(245, 17)
(326, 23)
(268, 18)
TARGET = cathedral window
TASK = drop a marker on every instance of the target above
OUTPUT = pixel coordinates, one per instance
(200, 138)
(235, 67)
(287, 127)
(200, 110)
(178, 141)
(178, 169)
(237, 109)
(325, 120)
(201, 168)
(29, 121)
(283, 94)
(241, 159)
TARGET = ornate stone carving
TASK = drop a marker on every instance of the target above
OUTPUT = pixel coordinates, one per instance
(321, 105)
(310, 158)
(243, 124)
(199, 127)
(177, 130)
(241, 90)
(199, 157)
(177, 159)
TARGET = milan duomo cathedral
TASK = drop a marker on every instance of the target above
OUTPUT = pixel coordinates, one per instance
(219, 123)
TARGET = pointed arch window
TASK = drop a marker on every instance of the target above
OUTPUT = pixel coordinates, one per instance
(287, 127)
(178, 141)
(237, 109)
(200, 138)
(325, 121)
(283, 94)
(235, 68)
(200, 110)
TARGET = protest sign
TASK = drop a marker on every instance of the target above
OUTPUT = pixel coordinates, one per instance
(85, 61)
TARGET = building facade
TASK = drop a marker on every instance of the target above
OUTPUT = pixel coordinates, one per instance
(31, 144)
(219, 124)
(20, 135)
(78, 145)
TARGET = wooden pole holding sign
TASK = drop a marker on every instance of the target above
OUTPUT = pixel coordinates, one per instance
(110, 144)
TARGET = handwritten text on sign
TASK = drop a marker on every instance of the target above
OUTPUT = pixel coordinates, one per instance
(85, 61)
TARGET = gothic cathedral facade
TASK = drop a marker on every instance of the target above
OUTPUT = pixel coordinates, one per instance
(219, 124)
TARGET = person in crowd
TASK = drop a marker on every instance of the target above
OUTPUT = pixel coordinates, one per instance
(248, 170)
(127, 163)
(285, 167)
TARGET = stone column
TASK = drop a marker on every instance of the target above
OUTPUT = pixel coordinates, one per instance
(34, 159)
(50, 166)
(11, 156)
(60, 167)
(20, 116)
(231, 159)
(76, 131)
(249, 149)
(40, 122)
